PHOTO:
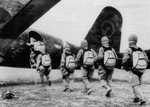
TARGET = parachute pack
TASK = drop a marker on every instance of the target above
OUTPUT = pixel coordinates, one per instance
(88, 57)
(70, 62)
(38, 46)
(46, 60)
(109, 58)
(139, 59)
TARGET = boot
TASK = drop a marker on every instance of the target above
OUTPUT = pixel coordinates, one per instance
(108, 93)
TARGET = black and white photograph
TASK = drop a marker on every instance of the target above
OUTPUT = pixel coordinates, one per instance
(74, 53)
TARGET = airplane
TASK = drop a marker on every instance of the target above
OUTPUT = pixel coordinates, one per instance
(14, 34)
(18, 21)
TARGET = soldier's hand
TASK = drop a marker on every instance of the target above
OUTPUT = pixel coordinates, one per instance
(61, 68)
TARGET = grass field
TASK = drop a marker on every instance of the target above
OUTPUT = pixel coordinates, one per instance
(37, 95)
(45, 96)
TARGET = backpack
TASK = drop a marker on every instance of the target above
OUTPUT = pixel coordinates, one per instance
(39, 46)
(139, 59)
(46, 60)
(109, 58)
(70, 62)
(88, 57)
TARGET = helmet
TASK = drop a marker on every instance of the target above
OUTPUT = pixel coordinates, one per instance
(105, 41)
(84, 44)
(133, 38)
(35, 35)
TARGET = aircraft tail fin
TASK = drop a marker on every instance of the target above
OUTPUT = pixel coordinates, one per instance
(108, 23)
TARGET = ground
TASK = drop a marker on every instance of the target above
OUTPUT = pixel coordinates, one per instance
(45, 96)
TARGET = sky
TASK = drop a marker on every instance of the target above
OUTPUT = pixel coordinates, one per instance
(70, 20)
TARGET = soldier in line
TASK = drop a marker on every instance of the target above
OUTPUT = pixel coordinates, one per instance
(138, 62)
(107, 59)
(34, 42)
(43, 63)
(68, 66)
(87, 58)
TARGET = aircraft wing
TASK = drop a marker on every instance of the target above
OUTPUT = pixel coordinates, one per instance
(16, 16)
(25, 17)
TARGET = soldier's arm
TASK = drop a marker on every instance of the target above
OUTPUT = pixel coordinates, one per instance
(95, 54)
(146, 56)
(50, 58)
(126, 55)
(101, 53)
(62, 63)
(79, 55)
(100, 58)
(115, 53)
(38, 61)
